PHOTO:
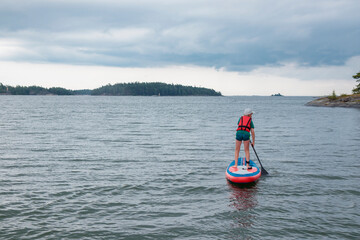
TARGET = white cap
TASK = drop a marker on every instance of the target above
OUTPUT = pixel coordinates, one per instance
(248, 111)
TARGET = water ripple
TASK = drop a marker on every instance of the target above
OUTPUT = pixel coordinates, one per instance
(145, 168)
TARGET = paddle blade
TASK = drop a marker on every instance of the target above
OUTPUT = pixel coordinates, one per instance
(263, 171)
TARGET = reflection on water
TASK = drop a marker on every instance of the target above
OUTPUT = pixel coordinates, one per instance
(243, 200)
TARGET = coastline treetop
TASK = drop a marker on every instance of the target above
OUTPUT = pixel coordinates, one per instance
(152, 89)
(119, 89)
(356, 90)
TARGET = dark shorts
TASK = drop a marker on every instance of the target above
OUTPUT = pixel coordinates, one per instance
(242, 136)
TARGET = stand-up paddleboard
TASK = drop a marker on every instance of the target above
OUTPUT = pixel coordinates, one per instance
(241, 174)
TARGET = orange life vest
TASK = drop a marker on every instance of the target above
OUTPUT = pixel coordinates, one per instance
(244, 124)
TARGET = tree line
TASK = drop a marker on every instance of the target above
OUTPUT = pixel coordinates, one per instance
(34, 90)
(120, 89)
(152, 89)
(356, 90)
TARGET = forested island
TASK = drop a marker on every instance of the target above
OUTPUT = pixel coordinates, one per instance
(152, 89)
(36, 90)
(120, 89)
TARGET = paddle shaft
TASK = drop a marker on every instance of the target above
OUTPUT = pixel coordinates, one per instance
(262, 168)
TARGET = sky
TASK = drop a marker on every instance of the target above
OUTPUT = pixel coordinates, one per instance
(258, 47)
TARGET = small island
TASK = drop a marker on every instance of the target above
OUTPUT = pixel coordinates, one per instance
(277, 95)
(344, 100)
(337, 101)
(120, 89)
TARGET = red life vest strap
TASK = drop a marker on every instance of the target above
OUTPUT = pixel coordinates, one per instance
(242, 126)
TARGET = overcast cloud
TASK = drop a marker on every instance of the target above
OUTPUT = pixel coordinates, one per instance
(281, 37)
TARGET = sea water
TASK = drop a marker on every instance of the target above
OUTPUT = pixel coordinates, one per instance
(85, 167)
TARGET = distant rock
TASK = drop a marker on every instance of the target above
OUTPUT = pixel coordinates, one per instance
(342, 101)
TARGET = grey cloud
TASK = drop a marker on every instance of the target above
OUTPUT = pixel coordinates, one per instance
(230, 34)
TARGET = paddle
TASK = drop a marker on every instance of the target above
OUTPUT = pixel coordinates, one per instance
(263, 171)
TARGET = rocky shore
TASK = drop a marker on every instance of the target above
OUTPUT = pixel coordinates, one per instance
(341, 101)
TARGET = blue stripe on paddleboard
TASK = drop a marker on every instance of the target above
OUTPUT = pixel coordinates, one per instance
(243, 175)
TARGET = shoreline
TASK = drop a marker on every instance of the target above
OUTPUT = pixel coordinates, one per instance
(349, 101)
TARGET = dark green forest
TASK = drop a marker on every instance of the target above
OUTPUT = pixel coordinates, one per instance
(152, 89)
(120, 89)
(34, 90)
